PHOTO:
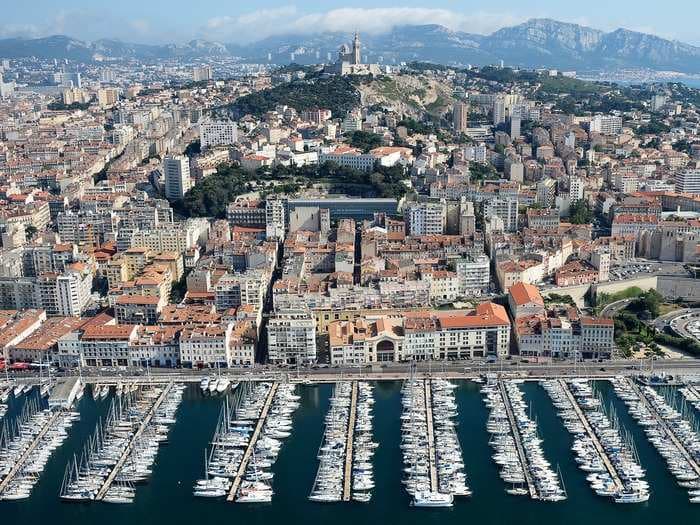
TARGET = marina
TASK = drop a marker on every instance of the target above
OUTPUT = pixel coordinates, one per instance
(691, 394)
(542, 481)
(246, 443)
(179, 466)
(345, 471)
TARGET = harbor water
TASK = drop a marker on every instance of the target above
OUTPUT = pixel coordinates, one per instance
(167, 498)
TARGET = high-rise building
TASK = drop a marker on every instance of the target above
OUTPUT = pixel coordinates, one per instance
(202, 73)
(515, 127)
(356, 50)
(460, 117)
(218, 133)
(575, 189)
(177, 177)
(473, 275)
(66, 79)
(499, 110)
(504, 209)
(606, 124)
(658, 102)
(107, 97)
(688, 181)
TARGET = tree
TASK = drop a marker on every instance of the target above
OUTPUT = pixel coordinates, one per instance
(580, 212)
(30, 232)
(193, 148)
(365, 140)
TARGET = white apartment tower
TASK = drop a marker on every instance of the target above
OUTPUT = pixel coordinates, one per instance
(177, 177)
(575, 189)
(504, 209)
(218, 133)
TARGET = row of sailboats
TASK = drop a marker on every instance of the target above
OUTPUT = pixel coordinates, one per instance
(238, 420)
(434, 470)
(548, 483)
(668, 435)
(27, 443)
(334, 463)
(606, 453)
(115, 444)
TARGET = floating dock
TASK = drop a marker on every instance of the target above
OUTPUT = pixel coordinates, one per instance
(347, 477)
(251, 445)
(432, 458)
(532, 489)
(125, 455)
(591, 433)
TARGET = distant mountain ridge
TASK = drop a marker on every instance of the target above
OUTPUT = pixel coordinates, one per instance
(535, 43)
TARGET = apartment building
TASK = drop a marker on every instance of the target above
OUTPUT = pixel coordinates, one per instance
(291, 337)
(425, 218)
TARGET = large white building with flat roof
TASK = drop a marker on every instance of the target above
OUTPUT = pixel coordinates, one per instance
(218, 133)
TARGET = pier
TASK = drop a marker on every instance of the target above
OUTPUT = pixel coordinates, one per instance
(64, 393)
(23, 458)
(431, 435)
(591, 433)
(251, 445)
(124, 456)
(518, 442)
(662, 423)
(347, 477)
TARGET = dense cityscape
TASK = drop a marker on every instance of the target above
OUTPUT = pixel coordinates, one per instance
(185, 230)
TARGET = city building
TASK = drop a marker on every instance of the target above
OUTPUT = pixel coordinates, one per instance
(218, 133)
(177, 177)
(291, 337)
(460, 117)
(688, 181)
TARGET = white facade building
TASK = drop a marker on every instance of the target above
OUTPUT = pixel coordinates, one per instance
(218, 133)
(291, 337)
(177, 177)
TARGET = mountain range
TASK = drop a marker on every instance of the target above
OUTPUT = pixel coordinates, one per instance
(535, 43)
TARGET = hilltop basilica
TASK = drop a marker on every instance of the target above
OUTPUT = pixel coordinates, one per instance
(350, 61)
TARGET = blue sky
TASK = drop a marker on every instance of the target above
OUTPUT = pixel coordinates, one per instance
(158, 21)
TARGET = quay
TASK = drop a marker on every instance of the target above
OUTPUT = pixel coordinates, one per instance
(684, 451)
(251, 445)
(142, 427)
(347, 477)
(64, 393)
(591, 433)
(431, 435)
(23, 458)
(518, 442)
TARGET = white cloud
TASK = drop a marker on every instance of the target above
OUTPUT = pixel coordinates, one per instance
(288, 20)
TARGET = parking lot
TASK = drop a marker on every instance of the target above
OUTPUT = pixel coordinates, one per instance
(642, 268)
